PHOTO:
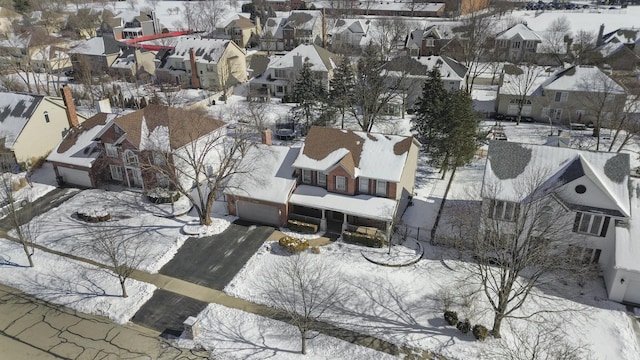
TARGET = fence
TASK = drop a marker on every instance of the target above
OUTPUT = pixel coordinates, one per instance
(415, 232)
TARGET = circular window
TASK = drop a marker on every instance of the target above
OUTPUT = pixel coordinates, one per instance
(581, 189)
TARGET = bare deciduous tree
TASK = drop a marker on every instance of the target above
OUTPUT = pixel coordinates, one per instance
(519, 247)
(18, 213)
(519, 82)
(304, 288)
(554, 37)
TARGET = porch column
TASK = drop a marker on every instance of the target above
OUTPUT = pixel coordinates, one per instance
(388, 232)
(323, 222)
(344, 222)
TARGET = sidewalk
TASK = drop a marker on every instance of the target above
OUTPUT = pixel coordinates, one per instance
(209, 295)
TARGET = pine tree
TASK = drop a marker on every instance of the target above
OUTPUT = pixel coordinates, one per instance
(307, 91)
(447, 120)
(341, 93)
(432, 107)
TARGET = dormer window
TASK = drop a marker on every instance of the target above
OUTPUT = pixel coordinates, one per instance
(321, 178)
(306, 176)
(130, 158)
(363, 185)
(381, 188)
(430, 42)
(111, 150)
(341, 183)
(46, 117)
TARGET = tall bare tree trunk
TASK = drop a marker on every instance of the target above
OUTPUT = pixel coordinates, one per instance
(124, 289)
(303, 335)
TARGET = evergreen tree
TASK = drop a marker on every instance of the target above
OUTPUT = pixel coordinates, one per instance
(432, 107)
(21, 6)
(341, 93)
(307, 91)
(447, 120)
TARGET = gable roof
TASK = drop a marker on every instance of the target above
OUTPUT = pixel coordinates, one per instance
(321, 59)
(15, 111)
(102, 45)
(369, 155)
(175, 127)
(450, 69)
(521, 30)
(303, 19)
(623, 36)
(511, 167)
(80, 146)
(274, 26)
(205, 50)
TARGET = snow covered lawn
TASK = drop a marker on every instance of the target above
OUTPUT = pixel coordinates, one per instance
(235, 334)
(404, 305)
(71, 283)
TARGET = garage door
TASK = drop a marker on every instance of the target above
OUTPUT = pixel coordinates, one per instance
(75, 177)
(260, 213)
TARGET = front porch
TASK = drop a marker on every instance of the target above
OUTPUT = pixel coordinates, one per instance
(334, 223)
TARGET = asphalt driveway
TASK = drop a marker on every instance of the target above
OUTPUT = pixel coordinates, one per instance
(166, 312)
(213, 261)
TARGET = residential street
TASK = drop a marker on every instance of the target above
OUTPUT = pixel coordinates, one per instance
(34, 329)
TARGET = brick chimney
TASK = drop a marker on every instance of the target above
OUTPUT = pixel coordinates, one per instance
(266, 136)
(195, 80)
(72, 116)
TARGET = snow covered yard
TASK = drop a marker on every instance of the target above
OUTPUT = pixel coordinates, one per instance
(235, 334)
(63, 281)
(405, 305)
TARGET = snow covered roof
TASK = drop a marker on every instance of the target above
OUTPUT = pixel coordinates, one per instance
(103, 45)
(512, 167)
(369, 155)
(272, 177)
(575, 78)
(625, 35)
(355, 26)
(320, 58)
(366, 206)
(519, 30)
(80, 146)
(205, 50)
(303, 19)
(420, 66)
(437, 31)
(274, 26)
(176, 127)
(238, 21)
(126, 62)
(627, 248)
(15, 111)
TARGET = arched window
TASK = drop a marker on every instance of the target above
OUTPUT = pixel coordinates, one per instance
(130, 158)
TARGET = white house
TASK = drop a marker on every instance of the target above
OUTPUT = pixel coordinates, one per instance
(349, 34)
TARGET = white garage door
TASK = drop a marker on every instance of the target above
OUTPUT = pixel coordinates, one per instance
(75, 177)
(633, 292)
(260, 213)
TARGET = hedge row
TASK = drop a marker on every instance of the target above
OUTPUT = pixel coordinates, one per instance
(364, 239)
(302, 227)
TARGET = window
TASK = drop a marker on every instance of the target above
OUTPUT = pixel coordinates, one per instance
(530, 44)
(321, 178)
(430, 42)
(159, 159)
(46, 117)
(280, 74)
(516, 45)
(579, 114)
(341, 183)
(591, 224)
(381, 188)
(503, 210)
(306, 176)
(116, 172)
(363, 186)
(111, 150)
(130, 159)
(279, 89)
(561, 96)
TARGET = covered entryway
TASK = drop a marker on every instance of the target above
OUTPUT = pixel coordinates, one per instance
(75, 177)
(256, 212)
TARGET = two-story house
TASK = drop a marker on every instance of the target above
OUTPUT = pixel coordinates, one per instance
(35, 50)
(301, 27)
(117, 149)
(96, 55)
(583, 196)
(428, 42)
(620, 49)
(349, 35)
(352, 178)
(517, 44)
(242, 30)
(31, 125)
(134, 64)
(577, 94)
(281, 73)
(129, 25)
(213, 64)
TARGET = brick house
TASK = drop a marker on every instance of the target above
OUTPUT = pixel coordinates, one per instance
(114, 149)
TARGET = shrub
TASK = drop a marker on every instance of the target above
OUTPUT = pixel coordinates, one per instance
(364, 239)
(451, 317)
(464, 326)
(293, 245)
(302, 227)
(162, 196)
(480, 332)
(315, 249)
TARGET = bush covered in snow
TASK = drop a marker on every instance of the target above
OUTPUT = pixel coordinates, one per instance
(93, 215)
(364, 239)
(293, 245)
(451, 317)
(162, 196)
(302, 227)
(480, 332)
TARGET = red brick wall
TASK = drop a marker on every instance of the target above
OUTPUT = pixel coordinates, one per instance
(331, 181)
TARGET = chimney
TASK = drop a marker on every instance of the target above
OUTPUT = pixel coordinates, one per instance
(104, 106)
(72, 116)
(266, 136)
(600, 40)
(195, 81)
(324, 29)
